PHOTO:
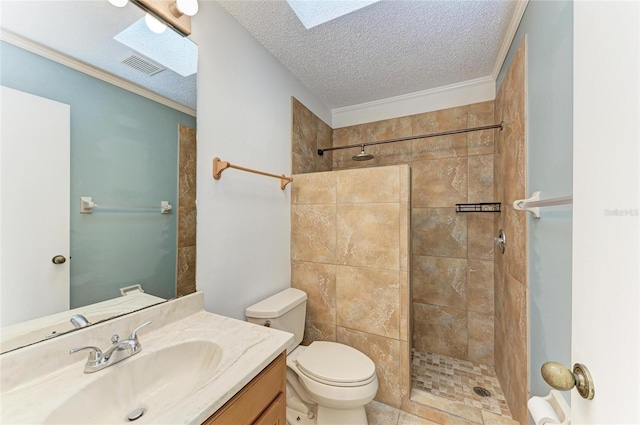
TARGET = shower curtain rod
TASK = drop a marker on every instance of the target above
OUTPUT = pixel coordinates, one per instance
(404, 139)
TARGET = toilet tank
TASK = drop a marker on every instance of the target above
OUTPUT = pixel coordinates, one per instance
(285, 311)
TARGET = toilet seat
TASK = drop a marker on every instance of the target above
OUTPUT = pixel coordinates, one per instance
(336, 364)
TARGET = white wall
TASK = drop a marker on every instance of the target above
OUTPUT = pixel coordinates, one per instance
(244, 117)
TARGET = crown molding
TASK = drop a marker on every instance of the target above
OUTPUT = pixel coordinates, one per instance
(521, 6)
(464, 93)
(85, 68)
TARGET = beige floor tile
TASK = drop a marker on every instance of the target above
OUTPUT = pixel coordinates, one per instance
(381, 414)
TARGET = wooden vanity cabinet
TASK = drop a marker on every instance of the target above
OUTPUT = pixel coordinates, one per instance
(261, 402)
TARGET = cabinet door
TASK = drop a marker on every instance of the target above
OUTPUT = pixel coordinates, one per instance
(275, 414)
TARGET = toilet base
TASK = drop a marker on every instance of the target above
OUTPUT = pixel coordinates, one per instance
(295, 417)
(353, 416)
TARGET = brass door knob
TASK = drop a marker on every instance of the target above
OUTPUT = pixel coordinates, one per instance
(561, 378)
(58, 259)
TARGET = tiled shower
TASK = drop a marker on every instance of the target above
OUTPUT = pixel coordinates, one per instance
(456, 276)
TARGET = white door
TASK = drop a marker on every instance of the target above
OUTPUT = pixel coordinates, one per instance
(606, 238)
(34, 206)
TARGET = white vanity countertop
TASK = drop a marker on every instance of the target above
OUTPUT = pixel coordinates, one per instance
(30, 396)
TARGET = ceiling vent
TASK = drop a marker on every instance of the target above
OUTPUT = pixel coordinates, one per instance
(143, 65)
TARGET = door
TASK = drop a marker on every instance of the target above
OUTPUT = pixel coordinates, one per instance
(34, 206)
(606, 253)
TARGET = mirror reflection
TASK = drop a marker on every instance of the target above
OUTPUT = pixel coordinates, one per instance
(72, 131)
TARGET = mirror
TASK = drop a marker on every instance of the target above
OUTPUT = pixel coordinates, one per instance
(129, 149)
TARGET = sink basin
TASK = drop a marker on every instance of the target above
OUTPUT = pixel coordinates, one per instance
(153, 381)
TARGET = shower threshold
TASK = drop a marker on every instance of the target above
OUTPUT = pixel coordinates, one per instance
(448, 384)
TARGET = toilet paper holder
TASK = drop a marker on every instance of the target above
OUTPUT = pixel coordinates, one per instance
(561, 412)
(561, 378)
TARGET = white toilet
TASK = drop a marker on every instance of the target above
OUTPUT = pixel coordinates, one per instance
(327, 383)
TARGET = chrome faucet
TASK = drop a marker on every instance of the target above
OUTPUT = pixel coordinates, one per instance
(79, 321)
(120, 350)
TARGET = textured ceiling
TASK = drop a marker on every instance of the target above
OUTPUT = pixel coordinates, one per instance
(84, 30)
(387, 49)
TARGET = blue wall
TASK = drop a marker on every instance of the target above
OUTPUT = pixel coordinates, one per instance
(124, 151)
(548, 27)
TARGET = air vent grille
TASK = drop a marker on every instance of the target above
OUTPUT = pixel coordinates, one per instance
(143, 65)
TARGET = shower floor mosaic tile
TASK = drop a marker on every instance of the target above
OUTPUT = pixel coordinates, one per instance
(455, 379)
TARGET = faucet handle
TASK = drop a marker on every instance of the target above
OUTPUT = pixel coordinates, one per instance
(95, 355)
(135, 331)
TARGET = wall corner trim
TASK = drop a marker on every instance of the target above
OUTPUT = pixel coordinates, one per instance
(464, 93)
(92, 71)
(521, 6)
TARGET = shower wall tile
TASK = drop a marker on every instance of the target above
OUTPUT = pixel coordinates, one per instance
(480, 287)
(435, 122)
(392, 153)
(186, 273)
(316, 188)
(368, 235)
(481, 236)
(313, 233)
(318, 331)
(380, 184)
(405, 304)
(481, 114)
(308, 133)
(440, 183)
(481, 338)
(359, 289)
(440, 281)
(515, 227)
(186, 220)
(510, 269)
(441, 330)
(385, 353)
(480, 178)
(405, 218)
(319, 282)
(352, 135)
(438, 232)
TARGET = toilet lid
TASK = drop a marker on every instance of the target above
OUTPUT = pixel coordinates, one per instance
(335, 363)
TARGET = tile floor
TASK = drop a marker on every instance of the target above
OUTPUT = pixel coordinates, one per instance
(381, 414)
(454, 380)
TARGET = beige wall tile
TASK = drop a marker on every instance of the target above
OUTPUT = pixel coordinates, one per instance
(315, 188)
(480, 178)
(385, 354)
(440, 183)
(438, 232)
(405, 307)
(368, 235)
(440, 281)
(481, 338)
(324, 139)
(380, 184)
(352, 135)
(405, 183)
(368, 300)
(319, 282)
(481, 114)
(515, 255)
(308, 133)
(441, 330)
(405, 233)
(313, 233)
(186, 225)
(435, 122)
(186, 279)
(480, 293)
(318, 331)
(481, 236)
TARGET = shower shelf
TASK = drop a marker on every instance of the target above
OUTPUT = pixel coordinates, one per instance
(479, 207)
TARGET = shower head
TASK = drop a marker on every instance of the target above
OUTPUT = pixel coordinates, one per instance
(362, 156)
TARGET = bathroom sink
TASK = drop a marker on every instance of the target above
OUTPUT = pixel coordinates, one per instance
(152, 381)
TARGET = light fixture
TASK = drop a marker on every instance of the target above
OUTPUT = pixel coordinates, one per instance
(184, 7)
(119, 3)
(162, 13)
(154, 24)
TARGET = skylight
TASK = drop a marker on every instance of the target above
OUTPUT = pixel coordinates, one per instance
(315, 12)
(169, 48)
